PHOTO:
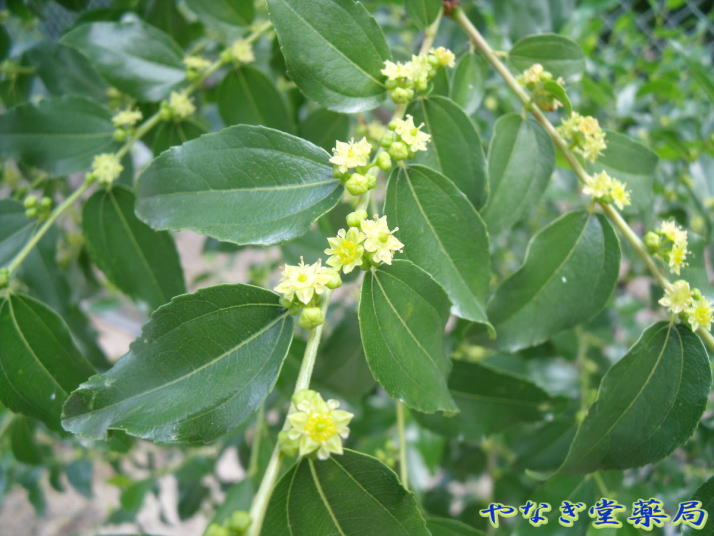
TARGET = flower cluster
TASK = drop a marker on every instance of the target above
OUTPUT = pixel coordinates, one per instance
(314, 425)
(584, 134)
(670, 243)
(239, 52)
(106, 168)
(690, 304)
(179, 106)
(37, 208)
(195, 65)
(404, 139)
(406, 78)
(236, 525)
(124, 122)
(602, 187)
(539, 82)
(366, 243)
(302, 285)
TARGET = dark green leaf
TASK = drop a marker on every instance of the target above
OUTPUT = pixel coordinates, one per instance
(334, 51)
(450, 527)
(60, 134)
(22, 441)
(402, 315)
(349, 495)
(467, 85)
(170, 133)
(233, 12)
(567, 277)
(136, 58)
(142, 262)
(455, 149)
(234, 185)
(192, 491)
(215, 354)
(443, 234)
(423, 12)
(648, 404)
(248, 96)
(705, 494)
(238, 497)
(39, 364)
(557, 54)
(323, 127)
(15, 229)
(520, 162)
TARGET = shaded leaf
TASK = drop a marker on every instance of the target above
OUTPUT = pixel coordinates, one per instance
(423, 12)
(468, 82)
(323, 127)
(557, 54)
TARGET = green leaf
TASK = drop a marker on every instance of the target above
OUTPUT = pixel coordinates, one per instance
(214, 354)
(648, 403)
(334, 51)
(244, 184)
(170, 133)
(233, 12)
(468, 83)
(350, 495)
(557, 54)
(323, 127)
(402, 315)
(142, 262)
(15, 229)
(705, 494)
(450, 527)
(443, 234)
(238, 497)
(521, 160)
(422, 12)
(59, 134)
(135, 57)
(22, 441)
(79, 474)
(248, 96)
(559, 93)
(455, 149)
(39, 364)
(569, 273)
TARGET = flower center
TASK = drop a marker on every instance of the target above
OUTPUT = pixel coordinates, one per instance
(347, 252)
(383, 237)
(302, 277)
(320, 426)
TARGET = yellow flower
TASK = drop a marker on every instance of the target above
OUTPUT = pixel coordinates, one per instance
(180, 105)
(380, 242)
(304, 281)
(106, 168)
(677, 297)
(673, 232)
(126, 118)
(700, 314)
(410, 134)
(534, 74)
(197, 63)
(317, 425)
(677, 258)
(346, 250)
(599, 185)
(619, 194)
(242, 51)
(444, 56)
(351, 154)
(585, 134)
(398, 70)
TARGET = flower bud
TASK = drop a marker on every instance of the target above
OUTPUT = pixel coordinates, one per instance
(4, 277)
(401, 95)
(30, 201)
(289, 447)
(335, 281)
(239, 521)
(371, 179)
(120, 134)
(357, 184)
(388, 139)
(45, 203)
(355, 218)
(311, 317)
(399, 150)
(384, 161)
(339, 172)
(31, 212)
(653, 241)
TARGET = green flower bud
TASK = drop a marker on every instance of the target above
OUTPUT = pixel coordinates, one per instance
(216, 530)
(421, 84)
(388, 139)
(239, 521)
(354, 219)
(120, 134)
(401, 95)
(391, 84)
(357, 184)
(384, 161)
(371, 180)
(31, 212)
(289, 447)
(399, 150)
(339, 172)
(45, 202)
(335, 280)
(653, 241)
(311, 317)
(4, 277)
(30, 201)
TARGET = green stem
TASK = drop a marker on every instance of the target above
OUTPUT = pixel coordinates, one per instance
(255, 447)
(403, 467)
(430, 35)
(610, 211)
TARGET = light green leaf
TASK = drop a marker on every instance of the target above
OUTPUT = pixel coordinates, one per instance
(422, 12)
(142, 262)
(557, 54)
(323, 127)
(455, 149)
(15, 229)
(248, 96)
(334, 51)
(233, 12)
(39, 363)
(450, 527)
(468, 82)
(443, 234)
(135, 57)
(520, 162)
(244, 184)
(60, 134)
(648, 404)
(567, 277)
(214, 354)
(350, 495)
(402, 315)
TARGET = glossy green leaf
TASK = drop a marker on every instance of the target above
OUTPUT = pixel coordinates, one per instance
(444, 235)
(557, 54)
(450, 527)
(248, 96)
(348, 495)
(568, 275)
(215, 354)
(705, 494)
(60, 134)
(521, 160)
(334, 51)
(402, 315)
(323, 127)
(468, 82)
(422, 12)
(648, 404)
(142, 262)
(39, 364)
(244, 184)
(455, 149)
(135, 57)
(233, 12)
(22, 441)
(15, 229)
(170, 133)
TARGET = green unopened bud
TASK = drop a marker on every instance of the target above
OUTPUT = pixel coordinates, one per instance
(390, 83)
(357, 184)
(399, 150)
(422, 83)
(311, 317)
(339, 172)
(288, 446)
(371, 179)
(653, 241)
(384, 161)
(120, 134)
(335, 280)
(215, 529)
(45, 202)
(401, 95)
(354, 219)
(30, 201)
(388, 139)
(31, 212)
(239, 521)
(4, 277)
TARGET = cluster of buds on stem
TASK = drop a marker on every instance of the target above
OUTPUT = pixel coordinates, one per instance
(602, 187)
(236, 525)
(405, 79)
(37, 208)
(670, 243)
(239, 52)
(689, 304)
(124, 122)
(179, 106)
(106, 168)
(195, 66)
(584, 135)
(542, 87)
(303, 287)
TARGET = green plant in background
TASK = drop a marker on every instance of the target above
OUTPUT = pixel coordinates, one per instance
(475, 271)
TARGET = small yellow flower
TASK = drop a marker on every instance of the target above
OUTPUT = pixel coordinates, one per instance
(398, 70)
(619, 194)
(106, 168)
(599, 185)
(410, 134)
(380, 242)
(346, 250)
(585, 134)
(126, 118)
(180, 105)
(673, 232)
(677, 258)
(700, 314)
(317, 425)
(677, 297)
(351, 154)
(444, 56)
(197, 63)
(534, 74)
(242, 51)
(304, 281)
